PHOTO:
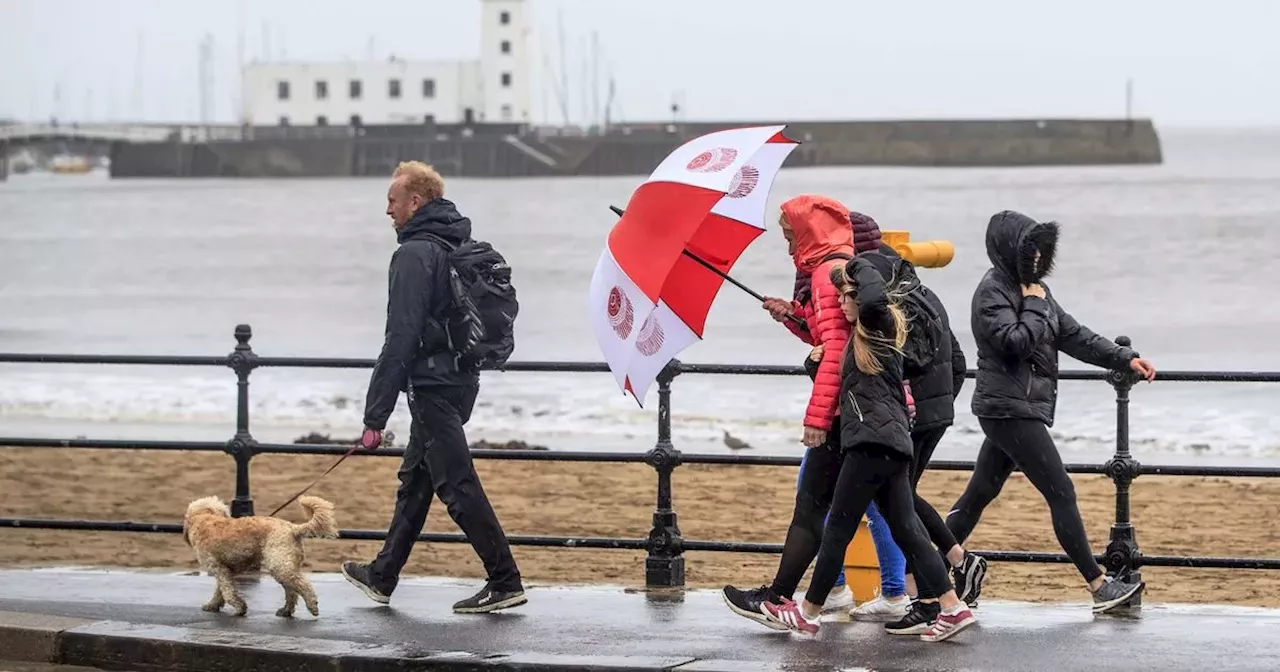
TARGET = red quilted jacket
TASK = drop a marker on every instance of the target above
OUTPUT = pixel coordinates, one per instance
(821, 227)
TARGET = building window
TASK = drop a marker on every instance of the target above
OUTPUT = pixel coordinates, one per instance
(506, 113)
(428, 88)
(282, 90)
(284, 121)
(354, 89)
(393, 88)
(504, 18)
(506, 79)
(355, 120)
(322, 90)
(506, 46)
(322, 120)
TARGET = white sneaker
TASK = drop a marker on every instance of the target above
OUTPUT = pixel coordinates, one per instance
(840, 599)
(882, 609)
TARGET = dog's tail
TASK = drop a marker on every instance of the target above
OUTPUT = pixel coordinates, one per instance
(321, 523)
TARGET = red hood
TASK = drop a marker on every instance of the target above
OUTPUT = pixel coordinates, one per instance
(821, 226)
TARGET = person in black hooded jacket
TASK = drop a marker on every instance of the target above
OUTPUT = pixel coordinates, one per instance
(934, 387)
(416, 359)
(1020, 328)
(876, 455)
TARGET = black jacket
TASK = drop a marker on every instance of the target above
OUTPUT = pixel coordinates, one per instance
(415, 349)
(935, 388)
(1019, 337)
(873, 409)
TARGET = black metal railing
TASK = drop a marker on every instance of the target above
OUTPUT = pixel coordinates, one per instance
(665, 545)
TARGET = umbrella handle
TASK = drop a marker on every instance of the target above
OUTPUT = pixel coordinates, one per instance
(706, 264)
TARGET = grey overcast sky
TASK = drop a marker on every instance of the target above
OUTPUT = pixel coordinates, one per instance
(1192, 63)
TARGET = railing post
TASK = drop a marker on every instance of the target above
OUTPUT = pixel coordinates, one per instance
(242, 446)
(1124, 558)
(664, 567)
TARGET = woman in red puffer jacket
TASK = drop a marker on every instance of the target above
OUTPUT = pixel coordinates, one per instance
(819, 237)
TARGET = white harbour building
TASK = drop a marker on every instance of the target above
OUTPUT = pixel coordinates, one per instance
(493, 88)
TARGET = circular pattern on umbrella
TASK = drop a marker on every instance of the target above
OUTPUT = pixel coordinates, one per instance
(713, 160)
(744, 182)
(621, 315)
(649, 342)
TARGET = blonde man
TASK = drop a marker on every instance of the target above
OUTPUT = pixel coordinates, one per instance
(416, 357)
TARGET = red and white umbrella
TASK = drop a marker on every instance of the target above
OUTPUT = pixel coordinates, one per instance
(701, 207)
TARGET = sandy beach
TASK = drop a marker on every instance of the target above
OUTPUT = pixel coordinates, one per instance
(1185, 516)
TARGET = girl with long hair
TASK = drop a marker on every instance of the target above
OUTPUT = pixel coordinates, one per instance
(819, 239)
(876, 454)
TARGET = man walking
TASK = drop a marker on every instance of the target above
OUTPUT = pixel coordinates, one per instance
(417, 358)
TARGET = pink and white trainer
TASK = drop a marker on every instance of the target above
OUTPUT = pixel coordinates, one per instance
(947, 625)
(789, 614)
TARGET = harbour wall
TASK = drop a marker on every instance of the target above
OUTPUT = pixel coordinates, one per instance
(637, 148)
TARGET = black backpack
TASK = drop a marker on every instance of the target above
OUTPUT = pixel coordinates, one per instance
(481, 326)
(925, 331)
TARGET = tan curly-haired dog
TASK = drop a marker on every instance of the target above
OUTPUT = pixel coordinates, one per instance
(227, 546)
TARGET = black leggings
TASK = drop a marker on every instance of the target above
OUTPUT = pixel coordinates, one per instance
(875, 472)
(813, 500)
(925, 443)
(1027, 445)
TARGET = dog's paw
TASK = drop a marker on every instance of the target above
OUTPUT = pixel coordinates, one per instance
(211, 607)
(284, 612)
(315, 610)
(240, 611)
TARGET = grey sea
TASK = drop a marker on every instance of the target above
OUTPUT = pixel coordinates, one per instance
(1179, 257)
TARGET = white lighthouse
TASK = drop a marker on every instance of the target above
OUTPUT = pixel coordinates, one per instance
(504, 60)
(493, 87)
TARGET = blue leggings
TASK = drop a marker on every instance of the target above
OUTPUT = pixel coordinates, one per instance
(893, 565)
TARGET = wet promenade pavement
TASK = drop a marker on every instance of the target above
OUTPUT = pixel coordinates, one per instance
(113, 619)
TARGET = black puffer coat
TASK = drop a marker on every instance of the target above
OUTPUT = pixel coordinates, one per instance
(873, 409)
(1019, 337)
(935, 388)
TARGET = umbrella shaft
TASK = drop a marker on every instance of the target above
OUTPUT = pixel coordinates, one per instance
(722, 274)
(739, 285)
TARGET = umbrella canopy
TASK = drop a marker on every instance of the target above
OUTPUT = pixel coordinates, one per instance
(702, 206)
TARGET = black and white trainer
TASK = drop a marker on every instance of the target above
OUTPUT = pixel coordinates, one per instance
(968, 578)
(750, 604)
(488, 600)
(918, 620)
(360, 576)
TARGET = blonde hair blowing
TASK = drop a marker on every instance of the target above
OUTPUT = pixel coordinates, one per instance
(420, 179)
(871, 349)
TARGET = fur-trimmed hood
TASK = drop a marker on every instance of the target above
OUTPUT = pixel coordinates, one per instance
(1012, 241)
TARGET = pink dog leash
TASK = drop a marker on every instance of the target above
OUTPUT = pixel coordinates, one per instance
(366, 441)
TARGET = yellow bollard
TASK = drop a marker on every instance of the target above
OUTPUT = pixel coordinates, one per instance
(894, 238)
(861, 566)
(925, 253)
